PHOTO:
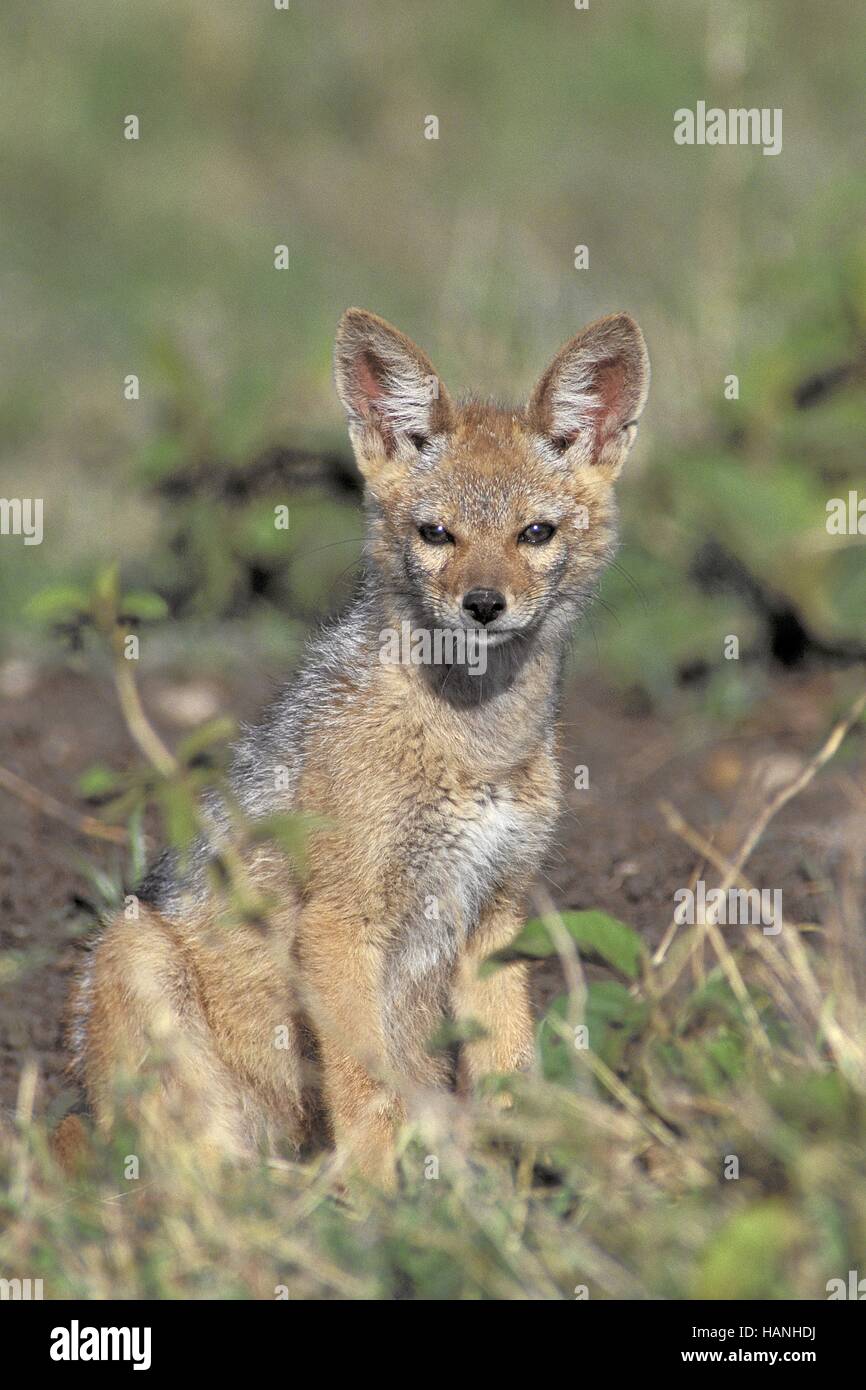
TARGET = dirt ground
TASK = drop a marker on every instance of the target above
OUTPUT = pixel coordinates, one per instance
(614, 850)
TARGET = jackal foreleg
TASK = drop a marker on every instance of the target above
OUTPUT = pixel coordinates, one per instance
(499, 1002)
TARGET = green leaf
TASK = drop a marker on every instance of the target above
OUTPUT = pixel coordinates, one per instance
(290, 831)
(214, 731)
(453, 1030)
(606, 938)
(532, 943)
(143, 605)
(554, 1046)
(179, 815)
(596, 935)
(59, 604)
(614, 1019)
(98, 781)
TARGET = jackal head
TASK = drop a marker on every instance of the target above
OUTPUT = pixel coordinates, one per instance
(481, 516)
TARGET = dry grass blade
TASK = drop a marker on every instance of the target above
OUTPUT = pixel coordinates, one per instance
(56, 810)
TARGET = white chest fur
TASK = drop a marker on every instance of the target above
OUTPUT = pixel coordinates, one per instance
(472, 846)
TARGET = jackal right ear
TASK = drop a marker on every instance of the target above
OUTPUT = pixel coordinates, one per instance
(390, 392)
(587, 404)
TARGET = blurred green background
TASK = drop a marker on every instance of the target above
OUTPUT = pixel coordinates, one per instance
(305, 127)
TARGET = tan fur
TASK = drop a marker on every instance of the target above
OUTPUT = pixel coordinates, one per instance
(421, 796)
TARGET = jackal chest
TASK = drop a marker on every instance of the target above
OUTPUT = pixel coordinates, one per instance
(459, 853)
(473, 843)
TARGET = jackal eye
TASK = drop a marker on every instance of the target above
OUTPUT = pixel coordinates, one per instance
(434, 534)
(536, 533)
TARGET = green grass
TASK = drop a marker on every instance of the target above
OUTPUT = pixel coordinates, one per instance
(675, 1158)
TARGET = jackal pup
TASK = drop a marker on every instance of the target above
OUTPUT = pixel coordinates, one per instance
(434, 787)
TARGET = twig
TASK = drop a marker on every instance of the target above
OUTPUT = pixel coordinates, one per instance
(794, 787)
(49, 806)
(775, 804)
(781, 973)
(674, 926)
(143, 732)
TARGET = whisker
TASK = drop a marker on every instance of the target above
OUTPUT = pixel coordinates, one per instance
(638, 588)
(609, 609)
(347, 540)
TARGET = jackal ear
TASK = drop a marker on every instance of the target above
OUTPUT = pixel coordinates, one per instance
(390, 392)
(587, 404)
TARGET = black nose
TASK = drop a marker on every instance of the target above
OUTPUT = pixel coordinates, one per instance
(484, 604)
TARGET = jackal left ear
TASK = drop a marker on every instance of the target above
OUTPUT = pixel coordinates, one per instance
(391, 394)
(588, 402)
